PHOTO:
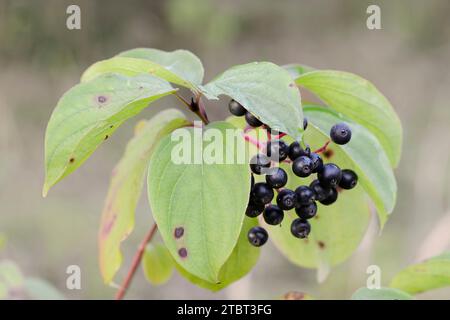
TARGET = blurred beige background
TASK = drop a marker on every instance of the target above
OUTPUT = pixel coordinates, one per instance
(408, 60)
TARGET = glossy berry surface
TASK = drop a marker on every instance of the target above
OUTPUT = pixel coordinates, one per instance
(236, 108)
(320, 192)
(296, 151)
(254, 209)
(277, 178)
(257, 236)
(330, 175)
(331, 197)
(317, 162)
(300, 228)
(340, 133)
(262, 193)
(307, 211)
(305, 195)
(277, 150)
(273, 215)
(252, 120)
(286, 199)
(349, 179)
(302, 166)
(259, 162)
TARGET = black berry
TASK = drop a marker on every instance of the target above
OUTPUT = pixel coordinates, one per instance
(252, 120)
(273, 215)
(320, 192)
(305, 195)
(330, 175)
(300, 228)
(276, 178)
(296, 150)
(340, 133)
(305, 123)
(262, 193)
(317, 162)
(258, 162)
(302, 166)
(286, 199)
(277, 150)
(307, 211)
(331, 197)
(236, 108)
(254, 209)
(348, 180)
(257, 236)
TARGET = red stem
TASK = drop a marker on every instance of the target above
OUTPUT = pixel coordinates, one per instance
(135, 264)
(323, 148)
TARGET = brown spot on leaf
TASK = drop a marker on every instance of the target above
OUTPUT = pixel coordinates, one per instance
(111, 126)
(72, 160)
(291, 84)
(316, 217)
(106, 137)
(339, 190)
(321, 244)
(328, 153)
(178, 232)
(182, 252)
(102, 99)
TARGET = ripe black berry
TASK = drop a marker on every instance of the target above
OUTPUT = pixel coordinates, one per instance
(300, 228)
(320, 192)
(277, 150)
(296, 150)
(317, 162)
(273, 215)
(254, 209)
(330, 175)
(252, 120)
(305, 123)
(257, 236)
(262, 193)
(305, 195)
(348, 180)
(302, 166)
(331, 197)
(307, 212)
(340, 133)
(236, 108)
(286, 199)
(277, 178)
(258, 162)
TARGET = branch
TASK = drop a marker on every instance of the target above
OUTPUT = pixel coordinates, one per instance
(135, 264)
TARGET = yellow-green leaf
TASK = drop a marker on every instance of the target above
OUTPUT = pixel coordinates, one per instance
(157, 264)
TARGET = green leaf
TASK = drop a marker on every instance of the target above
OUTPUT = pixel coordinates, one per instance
(296, 70)
(241, 261)
(267, 91)
(360, 101)
(39, 289)
(11, 278)
(431, 274)
(380, 294)
(125, 188)
(158, 264)
(363, 154)
(205, 200)
(180, 67)
(89, 113)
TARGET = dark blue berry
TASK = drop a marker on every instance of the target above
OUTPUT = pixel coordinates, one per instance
(252, 120)
(259, 162)
(276, 178)
(296, 150)
(254, 209)
(340, 133)
(257, 236)
(317, 162)
(277, 150)
(349, 179)
(236, 108)
(305, 195)
(300, 228)
(273, 215)
(287, 199)
(330, 175)
(306, 211)
(302, 166)
(262, 193)
(331, 197)
(320, 192)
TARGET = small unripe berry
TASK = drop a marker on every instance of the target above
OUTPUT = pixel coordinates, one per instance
(302, 166)
(317, 162)
(349, 179)
(262, 193)
(273, 215)
(330, 175)
(307, 211)
(296, 150)
(258, 162)
(305, 195)
(252, 120)
(340, 133)
(331, 197)
(254, 209)
(257, 236)
(277, 150)
(236, 108)
(276, 178)
(286, 199)
(320, 192)
(300, 228)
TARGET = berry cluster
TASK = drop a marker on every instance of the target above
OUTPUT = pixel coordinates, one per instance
(330, 178)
